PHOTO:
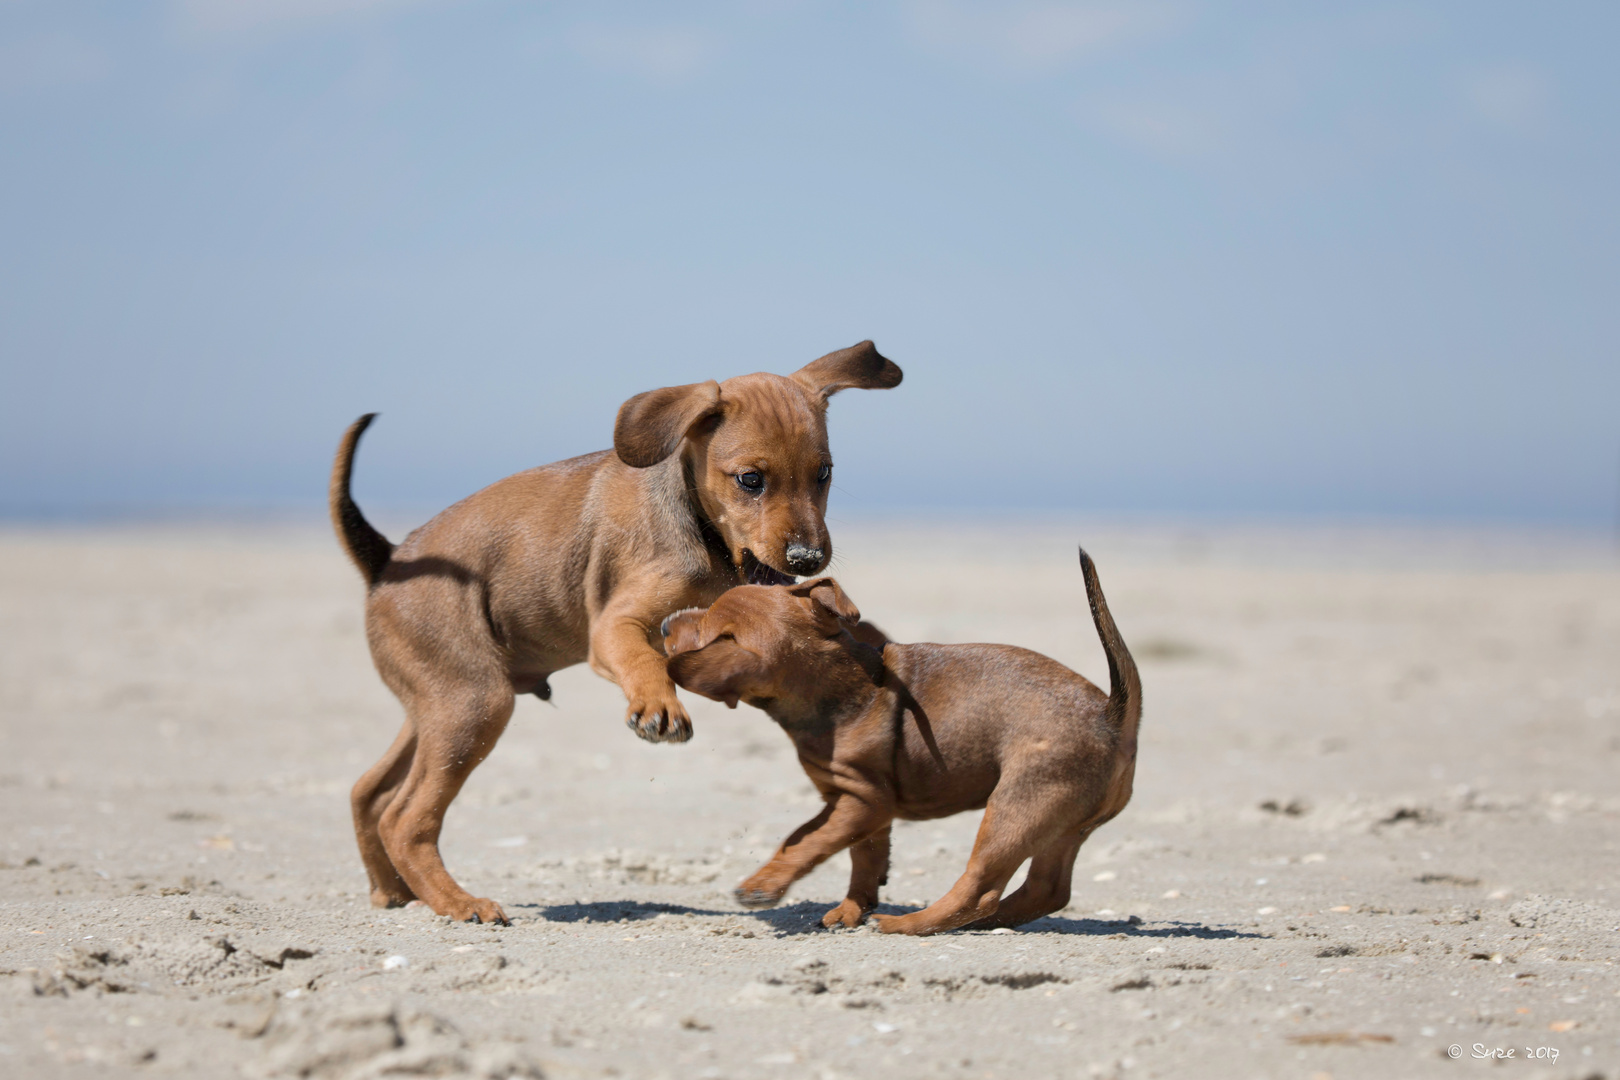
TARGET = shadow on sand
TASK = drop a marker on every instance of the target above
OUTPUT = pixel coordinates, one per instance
(804, 917)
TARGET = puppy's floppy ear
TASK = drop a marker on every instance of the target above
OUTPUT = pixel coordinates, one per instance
(682, 631)
(716, 671)
(651, 426)
(859, 366)
(829, 597)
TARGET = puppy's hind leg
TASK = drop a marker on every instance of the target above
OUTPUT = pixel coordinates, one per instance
(1045, 888)
(370, 797)
(455, 730)
(1005, 840)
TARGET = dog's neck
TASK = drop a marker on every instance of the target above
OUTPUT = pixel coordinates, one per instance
(673, 500)
(685, 466)
(840, 688)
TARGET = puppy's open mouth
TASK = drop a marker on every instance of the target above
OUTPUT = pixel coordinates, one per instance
(757, 573)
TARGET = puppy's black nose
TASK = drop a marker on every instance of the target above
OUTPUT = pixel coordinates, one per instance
(804, 560)
(663, 627)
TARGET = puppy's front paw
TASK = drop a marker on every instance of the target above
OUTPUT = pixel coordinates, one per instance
(475, 909)
(847, 914)
(757, 893)
(397, 896)
(903, 924)
(658, 719)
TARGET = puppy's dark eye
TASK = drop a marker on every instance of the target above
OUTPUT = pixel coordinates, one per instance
(824, 475)
(752, 480)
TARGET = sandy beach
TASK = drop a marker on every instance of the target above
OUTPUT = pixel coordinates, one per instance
(1374, 831)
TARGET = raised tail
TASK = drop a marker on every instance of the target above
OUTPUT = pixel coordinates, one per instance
(1124, 686)
(367, 548)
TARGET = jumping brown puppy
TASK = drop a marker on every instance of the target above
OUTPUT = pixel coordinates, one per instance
(707, 486)
(891, 731)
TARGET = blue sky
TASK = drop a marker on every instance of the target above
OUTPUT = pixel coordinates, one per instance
(1174, 258)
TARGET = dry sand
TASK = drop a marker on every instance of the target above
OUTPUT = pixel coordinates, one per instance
(1375, 817)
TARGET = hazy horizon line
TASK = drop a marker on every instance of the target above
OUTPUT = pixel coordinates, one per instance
(311, 511)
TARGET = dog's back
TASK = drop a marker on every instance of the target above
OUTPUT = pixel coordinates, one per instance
(981, 704)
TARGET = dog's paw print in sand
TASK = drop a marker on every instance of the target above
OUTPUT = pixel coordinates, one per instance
(1565, 916)
(951, 988)
(141, 964)
(366, 1043)
(488, 972)
(814, 979)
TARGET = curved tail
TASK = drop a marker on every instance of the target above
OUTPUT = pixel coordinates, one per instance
(367, 548)
(1124, 686)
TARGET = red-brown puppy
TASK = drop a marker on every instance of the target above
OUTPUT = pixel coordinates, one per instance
(706, 486)
(921, 731)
